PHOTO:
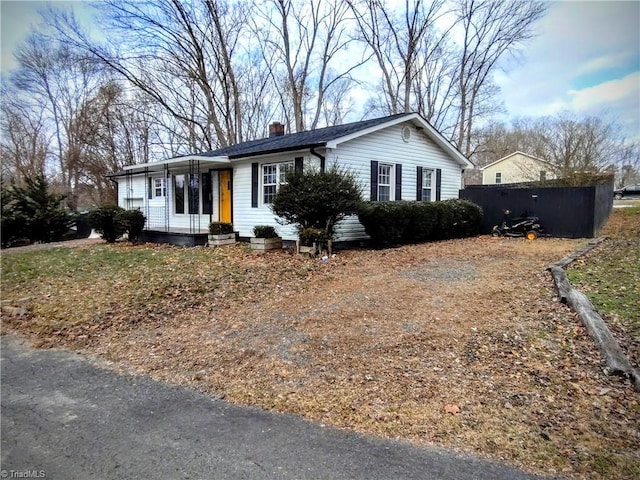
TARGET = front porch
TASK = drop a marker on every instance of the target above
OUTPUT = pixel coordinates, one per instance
(191, 231)
(179, 198)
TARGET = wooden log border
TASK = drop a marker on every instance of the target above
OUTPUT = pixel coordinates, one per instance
(616, 361)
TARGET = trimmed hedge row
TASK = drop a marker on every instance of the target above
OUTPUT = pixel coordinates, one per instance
(394, 223)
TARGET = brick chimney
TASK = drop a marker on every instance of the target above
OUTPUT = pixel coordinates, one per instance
(276, 129)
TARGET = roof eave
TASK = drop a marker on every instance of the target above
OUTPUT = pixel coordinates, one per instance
(277, 150)
(171, 162)
(156, 167)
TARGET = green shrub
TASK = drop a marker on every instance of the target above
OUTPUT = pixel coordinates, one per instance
(33, 212)
(105, 221)
(317, 199)
(393, 223)
(220, 228)
(446, 220)
(467, 218)
(14, 226)
(424, 222)
(309, 236)
(132, 222)
(385, 222)
(264, 231)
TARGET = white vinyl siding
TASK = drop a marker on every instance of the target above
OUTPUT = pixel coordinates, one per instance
(245, 217)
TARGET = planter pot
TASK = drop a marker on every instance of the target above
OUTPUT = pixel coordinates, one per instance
(315, 249)
(264, 244)
(306, 249)
(222, 239)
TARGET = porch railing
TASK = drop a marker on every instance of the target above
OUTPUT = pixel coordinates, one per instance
(157, 219)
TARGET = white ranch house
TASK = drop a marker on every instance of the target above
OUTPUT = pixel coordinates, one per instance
(399, 157)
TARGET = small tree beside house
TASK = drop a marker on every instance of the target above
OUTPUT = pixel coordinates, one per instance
(315, 199)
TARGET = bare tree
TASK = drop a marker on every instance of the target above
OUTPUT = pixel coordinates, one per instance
(182, 55)
(491, 29)
(408, 49)
(628, 164)
(301, 42)
(577, 147)
(434, 84)
(25, 139)
(113, 134)
(60, 80)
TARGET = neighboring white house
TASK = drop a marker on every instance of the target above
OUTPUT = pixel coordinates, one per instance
(515, 168)
(399, 157)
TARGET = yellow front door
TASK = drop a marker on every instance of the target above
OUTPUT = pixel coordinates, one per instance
(224, 177)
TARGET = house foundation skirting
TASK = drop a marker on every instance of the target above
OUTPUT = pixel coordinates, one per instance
(174, 238)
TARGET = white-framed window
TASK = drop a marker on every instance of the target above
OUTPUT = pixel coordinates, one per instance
(428, 181)
(498, 177)
(159, 187)
(384, 182)
(543, 175)
(274, 175)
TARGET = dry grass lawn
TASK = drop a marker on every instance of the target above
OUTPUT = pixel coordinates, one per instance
(460, 344)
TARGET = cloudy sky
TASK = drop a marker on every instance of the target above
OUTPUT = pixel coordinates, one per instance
(586, 58)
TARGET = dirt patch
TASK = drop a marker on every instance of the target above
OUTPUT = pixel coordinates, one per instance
(390, 341)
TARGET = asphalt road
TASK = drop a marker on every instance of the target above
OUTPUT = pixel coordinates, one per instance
(63, 417)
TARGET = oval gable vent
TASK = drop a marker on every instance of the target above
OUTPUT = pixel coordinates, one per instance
(406, 134)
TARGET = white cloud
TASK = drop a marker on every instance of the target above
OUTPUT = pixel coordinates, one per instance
(603, 62)
(607, 93)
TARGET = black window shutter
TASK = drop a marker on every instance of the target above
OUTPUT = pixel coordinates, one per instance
(418, 183)
(374, 180)
(438, 184)
(398, 181)
(254, 185)
(298, 165)
(150, 188)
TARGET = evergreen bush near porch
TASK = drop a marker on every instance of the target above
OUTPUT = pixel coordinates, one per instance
(317, 199)
(112, 221)
(132, 222)
(104, 220)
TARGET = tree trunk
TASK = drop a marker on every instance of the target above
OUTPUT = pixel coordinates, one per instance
(615, 359)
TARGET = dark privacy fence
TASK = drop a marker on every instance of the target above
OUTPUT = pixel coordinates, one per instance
(570, 212)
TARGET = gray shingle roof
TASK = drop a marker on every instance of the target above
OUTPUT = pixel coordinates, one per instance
(294, 141)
